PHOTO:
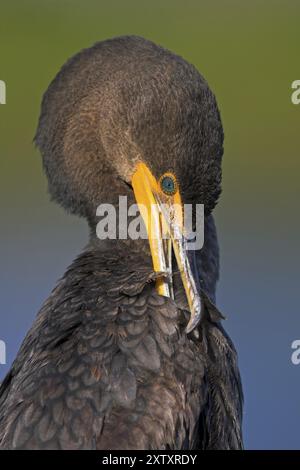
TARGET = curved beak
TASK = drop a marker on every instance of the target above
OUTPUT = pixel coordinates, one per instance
(164, 220)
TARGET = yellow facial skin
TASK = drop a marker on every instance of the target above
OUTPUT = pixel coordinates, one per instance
(163, 217)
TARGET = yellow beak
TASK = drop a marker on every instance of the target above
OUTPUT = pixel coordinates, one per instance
(163, 217)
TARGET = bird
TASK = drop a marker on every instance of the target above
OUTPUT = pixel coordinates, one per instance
(129, 351)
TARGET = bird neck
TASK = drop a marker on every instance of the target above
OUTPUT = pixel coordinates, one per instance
(123, 248)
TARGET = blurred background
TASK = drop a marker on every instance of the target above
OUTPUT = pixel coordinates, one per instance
(249, 53)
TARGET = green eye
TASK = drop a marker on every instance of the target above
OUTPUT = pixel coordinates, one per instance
(168, 184)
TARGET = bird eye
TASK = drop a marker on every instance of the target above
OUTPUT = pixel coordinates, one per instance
(168, 184)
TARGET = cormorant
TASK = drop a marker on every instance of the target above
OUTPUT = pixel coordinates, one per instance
(114, 359)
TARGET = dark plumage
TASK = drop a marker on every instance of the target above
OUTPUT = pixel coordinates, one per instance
(108, 363)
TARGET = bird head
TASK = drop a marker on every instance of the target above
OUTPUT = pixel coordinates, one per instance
(129, 117)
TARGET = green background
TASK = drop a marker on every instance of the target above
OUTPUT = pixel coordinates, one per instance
(249, 53)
